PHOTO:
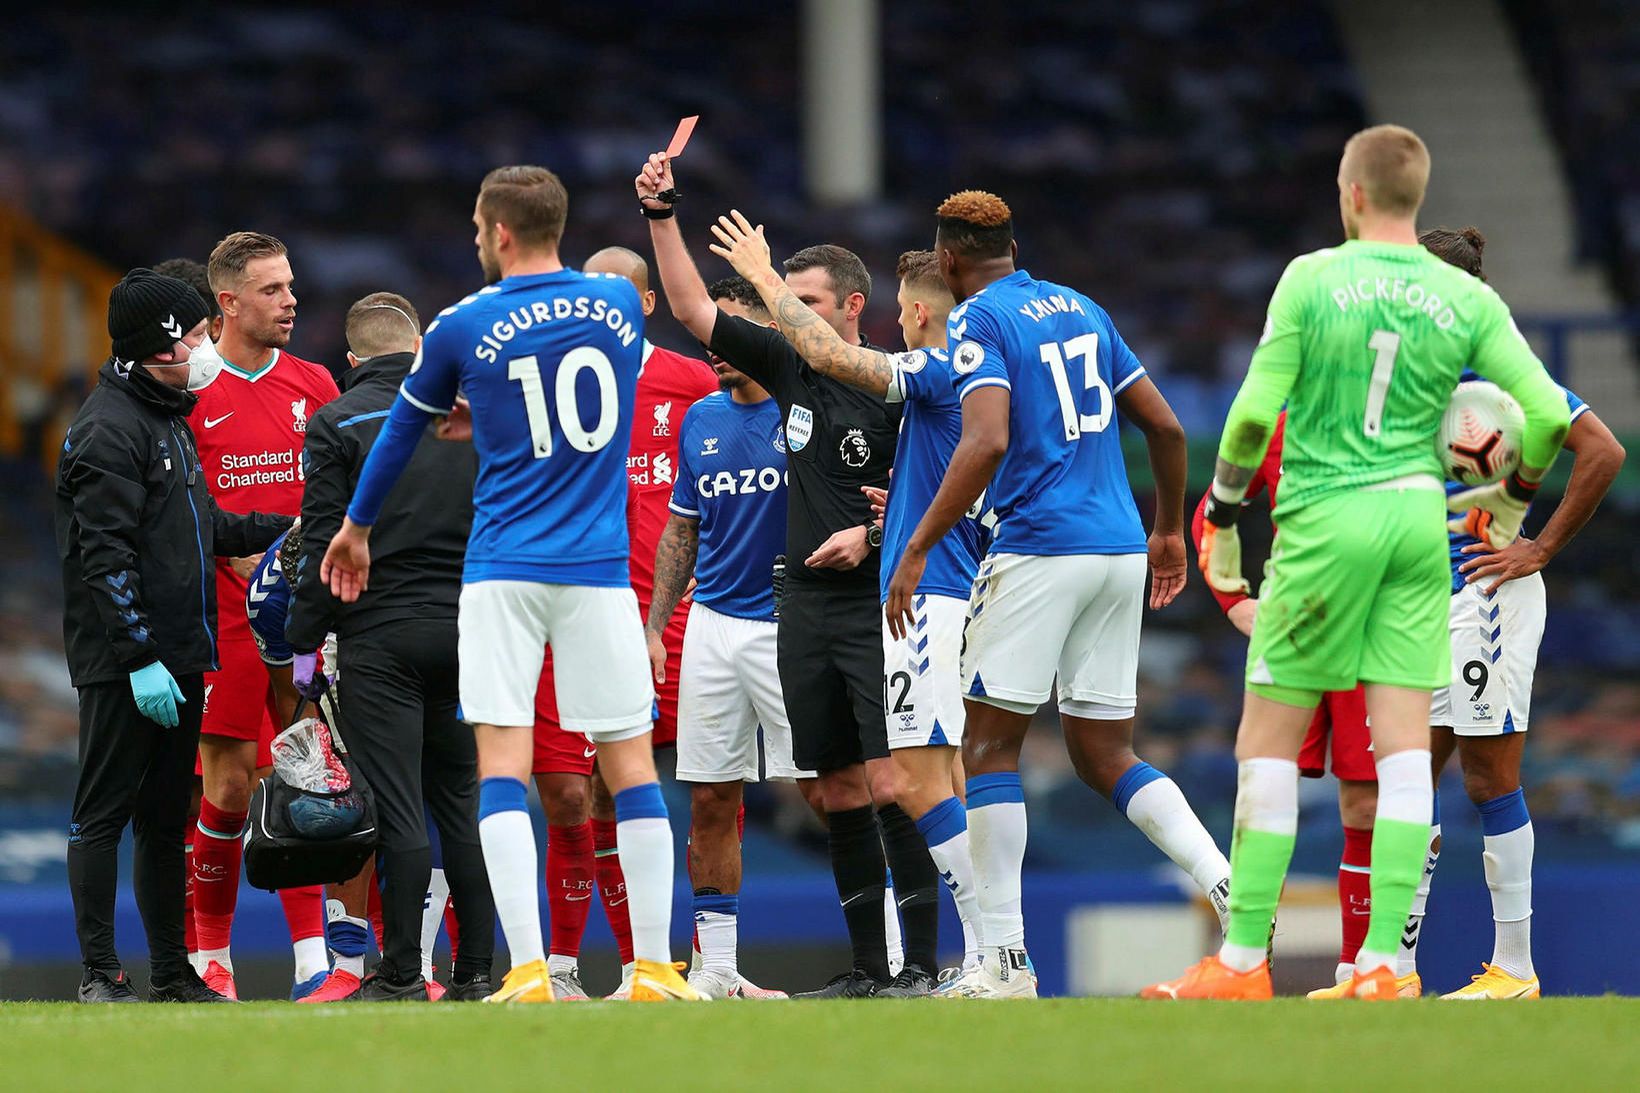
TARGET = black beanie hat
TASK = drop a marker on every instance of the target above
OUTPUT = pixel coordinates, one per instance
(149, 312)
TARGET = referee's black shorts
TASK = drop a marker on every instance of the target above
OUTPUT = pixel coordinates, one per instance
(831, 674)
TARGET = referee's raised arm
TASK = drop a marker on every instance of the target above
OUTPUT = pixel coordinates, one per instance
(685, 291)
(820, 346)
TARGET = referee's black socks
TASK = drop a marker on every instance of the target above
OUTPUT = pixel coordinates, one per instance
(858, 866)
(916, 886)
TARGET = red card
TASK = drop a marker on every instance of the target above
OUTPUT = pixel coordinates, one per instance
(686, 129)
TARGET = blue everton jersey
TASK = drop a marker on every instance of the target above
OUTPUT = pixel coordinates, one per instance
(1062, 487)
(929, 430)
(1457, 541)
(732, 478)
(550, 365)
(267, 602)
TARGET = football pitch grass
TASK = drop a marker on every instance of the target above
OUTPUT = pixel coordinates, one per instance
(1569, 1043)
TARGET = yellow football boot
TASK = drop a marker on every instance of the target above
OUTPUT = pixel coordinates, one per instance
(1407, 986)
(1495, 983)
(1378, 985)
(655, 981)
(526, 983)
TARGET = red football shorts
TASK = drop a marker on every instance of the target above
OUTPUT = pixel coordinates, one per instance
(1339, 725)
(239, 700)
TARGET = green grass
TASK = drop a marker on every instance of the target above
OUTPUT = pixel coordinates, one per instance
(1112, 1044)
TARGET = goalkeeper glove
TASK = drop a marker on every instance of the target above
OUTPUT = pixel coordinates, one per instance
(1218, 554)
(1492, 514)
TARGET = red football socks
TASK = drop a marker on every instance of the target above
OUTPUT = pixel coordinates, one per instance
(612, 885)
(452, 930)
(570, 872)
(304, 911)
(373, 909)
(1354, 891)
(217, 853)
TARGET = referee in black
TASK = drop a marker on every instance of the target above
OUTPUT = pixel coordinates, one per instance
(138, 533)
(838, 439)
(397, 650)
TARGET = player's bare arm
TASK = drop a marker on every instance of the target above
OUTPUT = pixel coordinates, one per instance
(983, 444)
(674, 568)
(745, 248)
(1598, 456)
(685, 291)
(1506, 360)
(1142, 404)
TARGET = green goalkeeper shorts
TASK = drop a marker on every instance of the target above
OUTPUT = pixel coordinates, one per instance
(1356, 590)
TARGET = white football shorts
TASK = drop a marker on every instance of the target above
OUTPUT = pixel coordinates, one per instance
(1031, 616)
(600, 660)
(922, 675)
(729, 684)
(1494, 656)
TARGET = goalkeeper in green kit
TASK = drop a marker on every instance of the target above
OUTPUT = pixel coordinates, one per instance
(1364, 344)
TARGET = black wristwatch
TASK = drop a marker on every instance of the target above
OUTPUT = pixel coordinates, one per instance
(874, 535)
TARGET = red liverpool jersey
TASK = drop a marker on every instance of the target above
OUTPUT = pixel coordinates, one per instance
(669, 384)
(250, 427)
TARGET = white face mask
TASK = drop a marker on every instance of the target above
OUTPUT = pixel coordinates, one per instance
(204, 365)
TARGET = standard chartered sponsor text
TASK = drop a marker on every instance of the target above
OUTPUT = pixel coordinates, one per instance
(256, 469)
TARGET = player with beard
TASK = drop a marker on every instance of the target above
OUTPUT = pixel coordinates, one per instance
(250, 424)
(581, 850)
(547, 560)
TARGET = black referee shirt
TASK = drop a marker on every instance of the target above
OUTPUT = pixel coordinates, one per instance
(838, 438)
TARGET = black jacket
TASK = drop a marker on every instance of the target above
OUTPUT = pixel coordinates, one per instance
(419, 543)
(137, 531)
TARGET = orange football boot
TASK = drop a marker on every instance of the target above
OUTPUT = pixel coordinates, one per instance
(1213, 978)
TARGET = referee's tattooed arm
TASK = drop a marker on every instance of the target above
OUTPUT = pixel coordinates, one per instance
(814, 339)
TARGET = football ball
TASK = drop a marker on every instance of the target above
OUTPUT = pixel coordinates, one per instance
(1479, 441)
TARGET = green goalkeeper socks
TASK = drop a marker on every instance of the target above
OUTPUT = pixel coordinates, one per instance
(1258, 868)
(1398, 850)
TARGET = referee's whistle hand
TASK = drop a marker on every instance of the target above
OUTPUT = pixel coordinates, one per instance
(845, 550)
(346, 566)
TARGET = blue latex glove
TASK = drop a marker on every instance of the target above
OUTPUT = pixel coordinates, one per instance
(157, 694)
(302, 671)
